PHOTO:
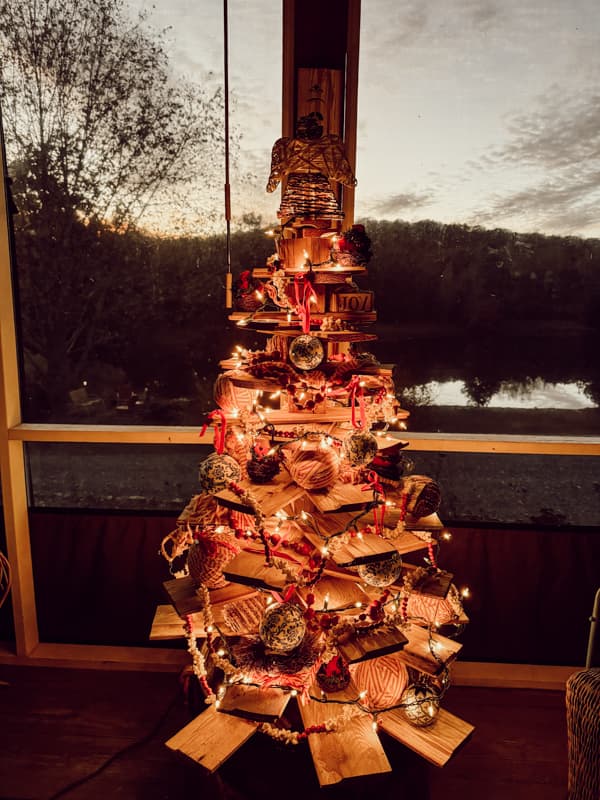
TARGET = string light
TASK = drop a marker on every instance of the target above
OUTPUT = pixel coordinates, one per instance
(466, 592)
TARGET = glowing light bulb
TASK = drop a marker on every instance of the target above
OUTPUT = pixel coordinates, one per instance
(466, 592)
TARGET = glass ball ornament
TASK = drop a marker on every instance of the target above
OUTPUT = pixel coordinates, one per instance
(420, 705)
(217, 471)
(360, 447)
(282, 627)
(306, 352)
(381, 573)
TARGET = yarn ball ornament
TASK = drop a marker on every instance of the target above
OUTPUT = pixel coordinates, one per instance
(381, 573)
(217, 471)
(208, 555)
(230, 397)
(420, 705)
(314, 467)
(334, 676)
(424, 495)
(306, 352)
(385, 685)
(360, 447)
(282, 627)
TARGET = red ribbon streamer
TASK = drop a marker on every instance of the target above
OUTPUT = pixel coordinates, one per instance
(220, 428)
(357, 389)
(375, 486)
(303, 300)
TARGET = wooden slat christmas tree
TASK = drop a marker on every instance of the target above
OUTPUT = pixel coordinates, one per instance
(309, 561)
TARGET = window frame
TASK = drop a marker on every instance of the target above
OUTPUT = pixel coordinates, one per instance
(14, 435)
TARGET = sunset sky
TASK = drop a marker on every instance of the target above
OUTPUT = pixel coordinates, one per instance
(472, 111)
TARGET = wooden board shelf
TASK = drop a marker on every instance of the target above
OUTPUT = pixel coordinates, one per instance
(183, 596)
(212, 738)
(417, 653)
(350, 752)
(437, 743)
(254, 703)
(373, 645)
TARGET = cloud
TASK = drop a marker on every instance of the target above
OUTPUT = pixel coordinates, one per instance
(555, 150)
(402, 202)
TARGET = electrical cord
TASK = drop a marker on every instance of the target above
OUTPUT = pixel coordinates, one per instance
(127, 749)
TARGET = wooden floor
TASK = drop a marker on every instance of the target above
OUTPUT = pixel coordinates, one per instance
(59, 726)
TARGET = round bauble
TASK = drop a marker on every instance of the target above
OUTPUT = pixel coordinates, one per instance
(385, 685)
(381, 573)
(420, 705)
(282, 627)
(314, 467)
(334, 676)
(360, 447)
(230, 397)
(424, 495)
(217, 471)
(306, 352)
(208, 555)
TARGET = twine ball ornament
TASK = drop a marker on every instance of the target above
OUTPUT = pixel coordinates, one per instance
(263, 470)
(421, 704)
(424, 495)
(314, 467)
(381, 573)
(282, 627)
(217, 471)
(333, 676)
(306, 352)
(385, 685)
(230, 397)
(435, 610)
(206, 558)
(360, 447)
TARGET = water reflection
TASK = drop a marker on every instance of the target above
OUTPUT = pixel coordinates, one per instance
(537, 394)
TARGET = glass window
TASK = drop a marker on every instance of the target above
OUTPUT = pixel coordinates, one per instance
(477, 164)
(114, 123)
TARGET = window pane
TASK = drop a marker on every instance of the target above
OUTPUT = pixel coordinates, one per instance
(115, 141)
(477, 169)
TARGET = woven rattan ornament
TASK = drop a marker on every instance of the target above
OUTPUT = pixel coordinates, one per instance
(211, 551)
(282, 627)
(230, 397)
(313, 466)
(217, 471)
(421, 704)
(381, 573)
(385, 685)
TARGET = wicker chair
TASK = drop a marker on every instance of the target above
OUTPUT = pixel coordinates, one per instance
(583, 722)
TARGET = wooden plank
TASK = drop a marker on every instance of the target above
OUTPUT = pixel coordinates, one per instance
(364, 550)
(167, 623)
(334, 336)
(251, 569)
(271, 497)
(341, 497)
(407, 542)
(372, 645)
(350, 752)
(437, 743)
(277, 317)
(183, 596)
(335, 595)
(417, 653)
(212, 738)
(254, 703)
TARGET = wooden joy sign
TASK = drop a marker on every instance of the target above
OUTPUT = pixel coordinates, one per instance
(352, 301)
